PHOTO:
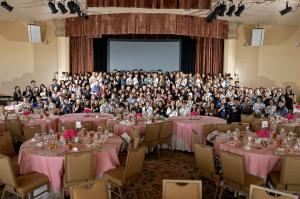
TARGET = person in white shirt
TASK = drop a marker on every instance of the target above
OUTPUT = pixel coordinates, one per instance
(271, 109)
(172, 110)
(259, 107)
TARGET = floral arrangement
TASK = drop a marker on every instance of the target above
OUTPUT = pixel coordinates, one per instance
(298, 106)
(138, 115)
(87, 110)
(290, 116)
(26, 113)
(278, 119)
(263, 133)
(70, 134)
(194, 113)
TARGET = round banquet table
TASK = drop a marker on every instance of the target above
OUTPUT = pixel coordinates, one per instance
(258, 161)
(182, 130)
(96, 118)
(51, 163)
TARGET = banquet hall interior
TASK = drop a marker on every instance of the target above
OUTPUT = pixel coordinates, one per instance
(149, 99)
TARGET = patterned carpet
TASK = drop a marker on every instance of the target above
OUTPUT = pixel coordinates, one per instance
(171, 165)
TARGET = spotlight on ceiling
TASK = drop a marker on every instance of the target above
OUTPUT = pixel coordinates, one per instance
(230, 11)
(212, 16)
(286, 10)
(70, 5)
(76, 8)
(52, 7)
(5, 5)
(222, 9)
(62, 7)
(240, 9)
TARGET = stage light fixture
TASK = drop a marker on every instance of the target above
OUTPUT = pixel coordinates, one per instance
(6, 6)
(231, 10)
(212, 16)
(240, 9)
(62, 7)
(76, 7)
(222, 9)
(71, 7)
(286, 10)
(52, 7)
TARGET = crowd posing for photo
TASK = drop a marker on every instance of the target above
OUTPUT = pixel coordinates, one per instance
(167, 94)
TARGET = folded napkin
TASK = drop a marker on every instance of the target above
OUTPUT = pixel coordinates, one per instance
(125, 141)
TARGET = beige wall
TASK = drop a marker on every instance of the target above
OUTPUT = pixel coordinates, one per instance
(21, 61)
(276, 63)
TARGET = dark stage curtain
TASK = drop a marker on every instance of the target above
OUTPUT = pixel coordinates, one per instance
(188, 53)
(209, 55)
(81, 54)
(100, 54)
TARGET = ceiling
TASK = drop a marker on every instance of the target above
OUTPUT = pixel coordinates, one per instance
(263, 12)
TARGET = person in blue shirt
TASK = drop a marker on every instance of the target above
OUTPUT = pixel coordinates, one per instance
(223, 109)
(281, 109)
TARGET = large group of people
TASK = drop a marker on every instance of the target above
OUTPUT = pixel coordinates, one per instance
(167, 94)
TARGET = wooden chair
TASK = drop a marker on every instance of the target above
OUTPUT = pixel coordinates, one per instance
(223, 127)
(121, 177)
(238, 125)
(208, 128)
(257, 192)
(287, 128)
(234, 173)
(134, 134)
(14, 127)
(288, 178)
(22, 185)
(205, 161)
(92, 189)
(165, 134)
(297, 131)
(30, 131)
(7, 149)
(247, 119)
(66, 125)
(178, 189)
(195, 137)
(151, 136)
(88, 125)
(79, 168)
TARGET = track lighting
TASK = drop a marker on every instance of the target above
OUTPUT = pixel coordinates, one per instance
(240, 9)
(222, 9)
(286, 10)
(62, 7)
(52, 7)
(71, 7)
(6, 6)
(230, 11)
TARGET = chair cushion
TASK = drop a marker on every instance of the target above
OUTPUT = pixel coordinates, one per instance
(274, 178)
(116, 175)
(31, 181)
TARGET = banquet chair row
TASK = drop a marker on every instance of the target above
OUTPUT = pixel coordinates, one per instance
(157, 134)
(22, 186)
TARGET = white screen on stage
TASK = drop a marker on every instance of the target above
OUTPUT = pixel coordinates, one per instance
(147, 55)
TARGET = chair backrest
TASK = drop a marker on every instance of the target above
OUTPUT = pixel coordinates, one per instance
(166, 130)
(257, 192)
(256, 127)
(247, 119)
(93, 189)
(88, 125)
(208, 128)
(195, 137)
(7, 175)
(151, 133)
(223, 127)
(233, 168)
(240, 126)
(6, 144)
(30, 131)
(205, 159)
(79, 166)
(134, 164)
(178, 189)
(297, 131)
(134, 134)
(66, 125)
(14, 127)
(290, 174)
(287, 128)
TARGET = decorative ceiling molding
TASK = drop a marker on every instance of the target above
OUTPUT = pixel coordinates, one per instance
(60, 25)
(233, 30)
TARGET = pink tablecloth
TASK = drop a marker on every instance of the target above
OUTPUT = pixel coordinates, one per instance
(182, 131)
(52, 163)
(96, 118)
(259, 162)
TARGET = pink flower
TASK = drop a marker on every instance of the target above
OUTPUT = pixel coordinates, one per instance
(290, 116)
(137, 115)
(87, 110)
(26, 113)
(70, 134)
(263, 134)
(298, 106)
(194, 113)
